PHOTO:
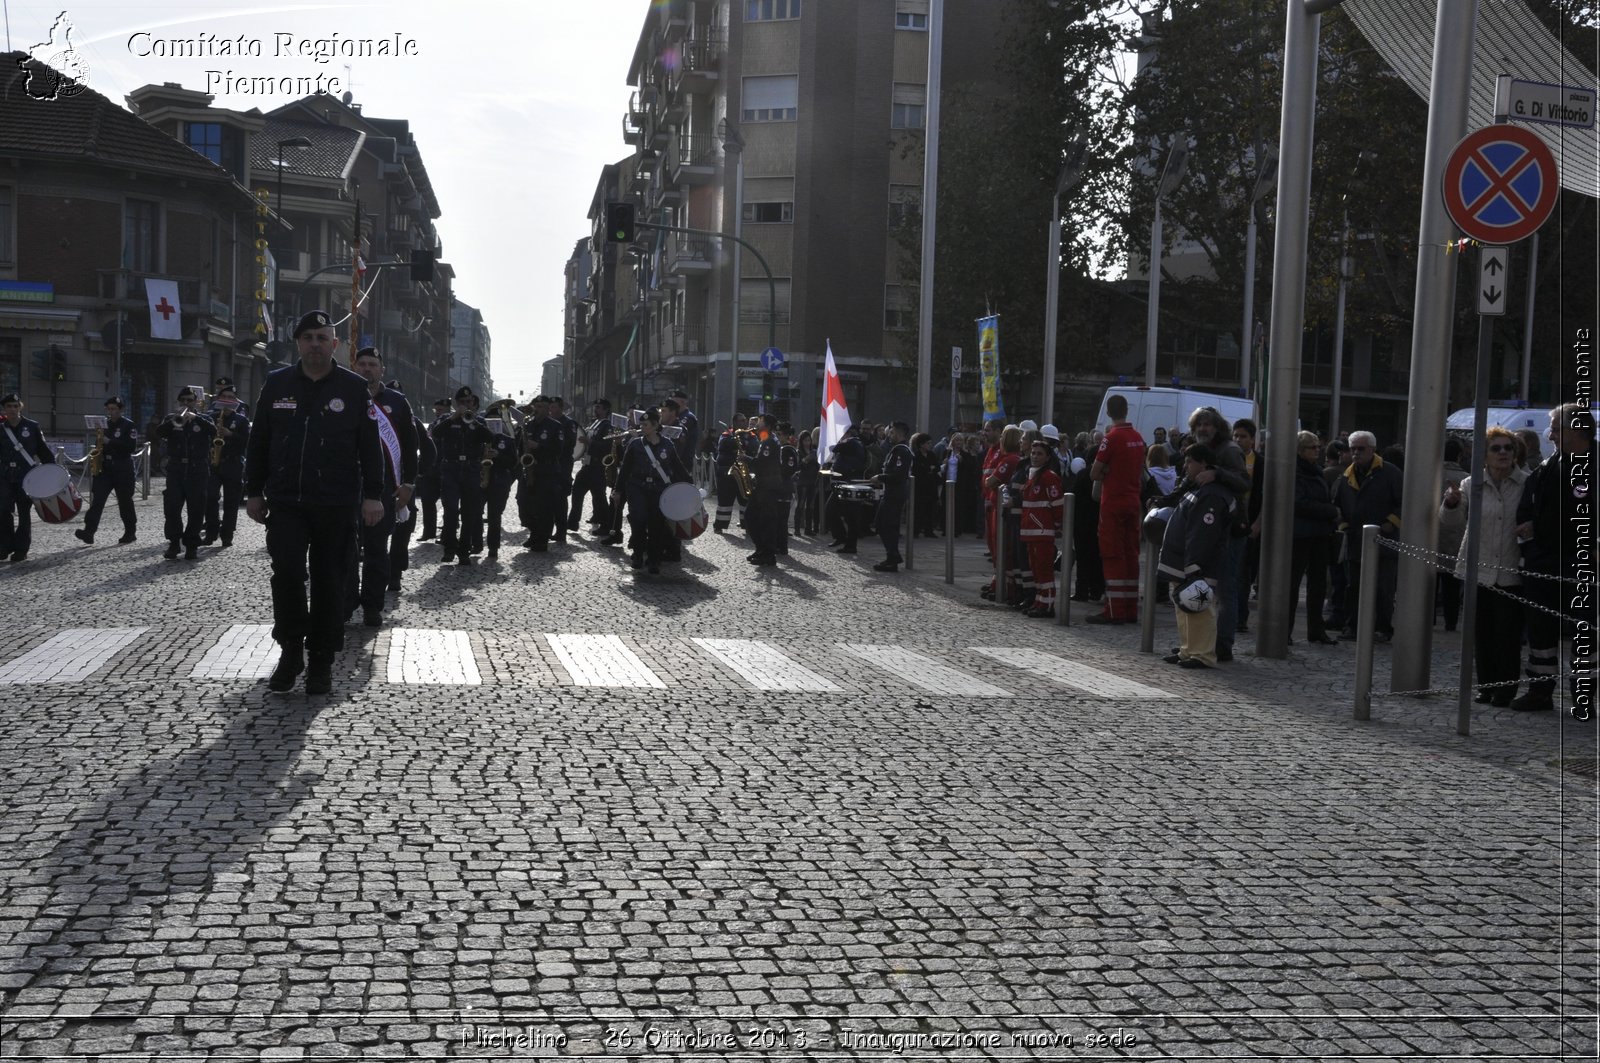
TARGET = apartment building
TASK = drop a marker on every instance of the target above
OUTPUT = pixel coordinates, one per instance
(796, 125)
(319, 162)
(469, 350)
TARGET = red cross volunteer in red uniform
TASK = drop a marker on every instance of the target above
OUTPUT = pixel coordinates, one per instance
(1041, 523)
(1118, 468)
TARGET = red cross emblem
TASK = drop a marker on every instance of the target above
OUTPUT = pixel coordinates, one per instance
(165, 309)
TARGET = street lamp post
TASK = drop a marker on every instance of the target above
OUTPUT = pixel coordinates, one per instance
(1066, 180)
(1171, 177)
(733, 142)
(1266, 180)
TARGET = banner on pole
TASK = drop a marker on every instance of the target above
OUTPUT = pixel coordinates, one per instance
(989, 367)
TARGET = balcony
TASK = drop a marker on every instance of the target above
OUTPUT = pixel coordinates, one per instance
(632, 127)
(693, 159)
(690, 256)
(698, 61)
(687, 341)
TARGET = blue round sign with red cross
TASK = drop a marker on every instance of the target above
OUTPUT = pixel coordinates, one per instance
(1500, 184)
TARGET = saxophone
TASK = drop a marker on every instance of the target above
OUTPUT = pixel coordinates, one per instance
(486, 466)
(217, 442)
(97, 456)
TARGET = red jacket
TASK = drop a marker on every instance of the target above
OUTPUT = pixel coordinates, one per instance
(1002, 468)
(1041, 505)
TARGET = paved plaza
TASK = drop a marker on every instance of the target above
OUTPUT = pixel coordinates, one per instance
(558, 807)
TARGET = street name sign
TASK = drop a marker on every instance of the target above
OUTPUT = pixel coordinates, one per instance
(1500, 184)
(1493, 279)
(1540, 101)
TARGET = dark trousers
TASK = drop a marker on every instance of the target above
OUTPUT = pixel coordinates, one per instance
(1450, 599)
(1388, 569)
(546, 506)
(1308, 560)
(590, 483)
(727, 495)
(1497, 649)
(647, 529)
(1546, 631)
(310, 541)
(495, 510)
(1338, 588)
(766, 517)
(224, 493)
(183, 500)
(400, 544)
(805, 510)
(890, 512)
(463, 506)
(427, 504)
(112, 480)
(373, 565)
(16, 518)
(844, 518)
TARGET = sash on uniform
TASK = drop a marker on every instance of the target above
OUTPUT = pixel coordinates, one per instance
(32, 461)
(391, 445)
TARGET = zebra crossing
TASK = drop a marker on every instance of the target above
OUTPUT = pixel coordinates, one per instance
(449, 657)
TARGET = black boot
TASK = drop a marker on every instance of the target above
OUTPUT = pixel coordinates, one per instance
(319, 675)
(290, 664)
(1540, 696)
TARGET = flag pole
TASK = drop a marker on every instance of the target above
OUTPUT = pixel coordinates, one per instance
(355, 271)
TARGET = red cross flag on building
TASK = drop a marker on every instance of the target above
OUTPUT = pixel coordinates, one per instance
(166, 321)
(835, 414)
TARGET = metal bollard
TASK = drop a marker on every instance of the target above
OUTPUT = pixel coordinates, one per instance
(1147, 599)
(950, 531)
(909, 519)
(999, 551)
(1064, 577)
(144, 459)
(1366, 617)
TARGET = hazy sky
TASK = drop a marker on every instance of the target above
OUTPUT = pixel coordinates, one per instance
(515, 107)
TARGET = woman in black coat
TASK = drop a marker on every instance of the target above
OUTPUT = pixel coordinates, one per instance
(929, 471)
(1315, 517)
(969, 501)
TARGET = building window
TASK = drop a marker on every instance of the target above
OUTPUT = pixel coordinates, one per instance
(899, 307)
(771, 99)
(8, 253)
(216, 142)
(769, 212)
(909, 104)
(141, 236)
(910, 20)
(770, 10)
(10, 366)
(905, 205)
(756, 301)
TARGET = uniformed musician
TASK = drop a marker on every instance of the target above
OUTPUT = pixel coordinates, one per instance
(225, 489)
(689, 442)
(570, 430)
(767, 512)
(893, 478)
(312, 464)
(543, 441)
(789, 469)
(116, 475)
(427, 469)
(22, 446)
(502, 474)
(847, 465)
(728, 447)
(460, 439)
(188, 436)
(391, 413)
(590, 480)
(649, 464)
(428, 475)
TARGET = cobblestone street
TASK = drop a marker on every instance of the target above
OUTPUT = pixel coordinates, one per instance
(555, 806)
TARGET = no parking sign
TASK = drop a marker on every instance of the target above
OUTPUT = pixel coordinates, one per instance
(1500, 184)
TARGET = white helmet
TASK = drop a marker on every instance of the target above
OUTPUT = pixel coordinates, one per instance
(1028, 426)
(1195, 596)
(1050, 431)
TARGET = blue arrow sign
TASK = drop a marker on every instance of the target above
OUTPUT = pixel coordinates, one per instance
(772, 359)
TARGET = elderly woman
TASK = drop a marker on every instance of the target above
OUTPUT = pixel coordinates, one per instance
(1497, 637)
(1315, 517)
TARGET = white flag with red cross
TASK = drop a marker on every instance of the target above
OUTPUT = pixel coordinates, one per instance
(835, 413)
(166, 320)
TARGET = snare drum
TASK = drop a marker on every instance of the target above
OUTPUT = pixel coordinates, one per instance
(52, 492)
(683, 507)
(860, 493)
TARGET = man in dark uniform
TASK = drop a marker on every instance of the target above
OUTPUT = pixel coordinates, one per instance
(767, 513)
(688, 443)
(544, 439)
(391, 414)
(648, 465)
(225, 490)
(116, 474)
(722, 466)
(188, 437)
(569, 442)
(789, 465)
(428, 476)
(893, 477)
(460, 439)
(312, 465)
(849, 462)
(502, 474)
(225, 384)
(22, 446)
(427, 468)
(591, 478)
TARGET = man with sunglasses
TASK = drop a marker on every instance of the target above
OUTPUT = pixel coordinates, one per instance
(1369, 493)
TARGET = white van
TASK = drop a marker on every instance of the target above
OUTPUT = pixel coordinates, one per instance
(1512, 418)
(1152, 408)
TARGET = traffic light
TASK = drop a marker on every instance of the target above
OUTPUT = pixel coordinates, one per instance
(619, 223)
(41, 364)
(58, 365)
(422, 264)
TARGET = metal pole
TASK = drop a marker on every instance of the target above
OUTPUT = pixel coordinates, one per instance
(1052, 295)
(930, 204)
(955, 380)
(1366, 614)
(1248, 331)
(1000, 546)
(1527, 318)
(950, 527)
(1295, 141)
(1455, 26)
(1338, 331)
(1151, 311)
(144, 459)
(1147, 605)
(909, 520)
(732, 402)
(1064, 577)
(1480, 462)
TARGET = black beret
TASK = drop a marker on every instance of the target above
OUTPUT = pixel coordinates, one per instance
(363, 352)
(226, 385)
(441, 402)
(12, 397)
(186, 391)
(463, 393)
(114, 401)
(603, 402)
(314, 320)
(223, 382)
(394, 385)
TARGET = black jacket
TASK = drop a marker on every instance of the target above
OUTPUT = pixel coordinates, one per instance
(1557, 499)
(1315, 515)
(312, 442)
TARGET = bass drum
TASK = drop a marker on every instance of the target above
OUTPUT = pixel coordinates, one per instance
(52, 492)
(683, 507)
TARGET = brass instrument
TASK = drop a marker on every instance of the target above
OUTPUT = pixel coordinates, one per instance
(97, 456)
(217, 442)
(610, 463)
(744, 480)
(486, 466)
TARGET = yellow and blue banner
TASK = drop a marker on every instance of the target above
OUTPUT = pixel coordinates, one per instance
(989, 367)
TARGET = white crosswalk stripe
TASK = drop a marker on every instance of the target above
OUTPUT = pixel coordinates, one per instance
(69, 656)
(762, 666)
(601, 661)
(425, 656)
(245, 651)
(923, 671)
(1072, 674)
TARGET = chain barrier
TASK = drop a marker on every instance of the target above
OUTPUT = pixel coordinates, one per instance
(1554, 676)
(1421, 553)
